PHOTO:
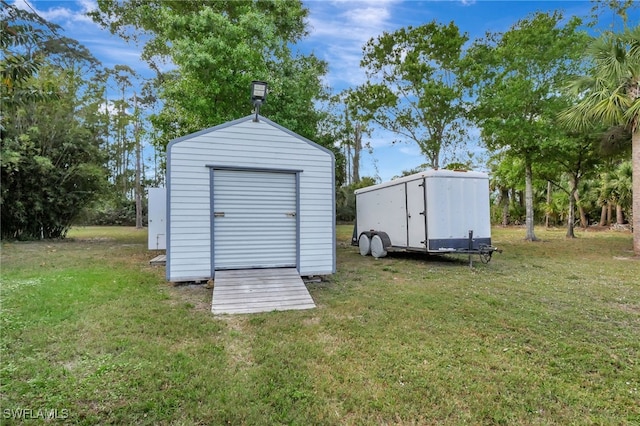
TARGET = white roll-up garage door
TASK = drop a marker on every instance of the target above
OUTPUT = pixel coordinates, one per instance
(254, 219)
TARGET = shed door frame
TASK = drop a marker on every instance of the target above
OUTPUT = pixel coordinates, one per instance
(212, 170)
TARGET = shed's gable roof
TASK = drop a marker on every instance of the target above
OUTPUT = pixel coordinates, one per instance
(243, 120)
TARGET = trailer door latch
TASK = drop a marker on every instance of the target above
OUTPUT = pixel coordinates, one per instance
(218, 214)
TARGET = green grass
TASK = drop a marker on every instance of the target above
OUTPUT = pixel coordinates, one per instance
(547, 333)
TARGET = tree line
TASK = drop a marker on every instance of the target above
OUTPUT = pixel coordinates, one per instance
(556, 107)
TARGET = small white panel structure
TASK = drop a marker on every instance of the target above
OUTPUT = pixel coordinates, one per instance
(157, 211)
(249, 194)
(432, 211)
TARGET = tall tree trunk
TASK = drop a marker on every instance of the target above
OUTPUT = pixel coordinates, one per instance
(505, 206)
(572, 208)
(619, 215)
(528, 177)
(521, 199)
(609, 213)
(584, 223)
(357, 147)
(123, 147)
(635, 161)
(603, 215)
(138, 186)
(547, 214)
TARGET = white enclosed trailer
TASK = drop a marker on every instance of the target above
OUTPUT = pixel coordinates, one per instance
(437, 211)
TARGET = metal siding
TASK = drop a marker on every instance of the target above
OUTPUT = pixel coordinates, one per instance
(157, 226)
(256, 226)
(456, 202)
(244, 143)
(384, 210)
(455, 206)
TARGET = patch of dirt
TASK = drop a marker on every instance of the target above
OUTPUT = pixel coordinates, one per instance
(626, 258)
(238, 341)
(198, 295)
(594, 228)
(311, 321)
(629, 308)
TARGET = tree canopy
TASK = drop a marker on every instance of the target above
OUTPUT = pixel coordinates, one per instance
(216, 50)
(50, 164)
(73, 130)
(413, 88)
(516, 78)
(610, 95)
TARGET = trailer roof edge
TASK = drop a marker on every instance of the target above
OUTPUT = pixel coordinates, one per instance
(426, 174)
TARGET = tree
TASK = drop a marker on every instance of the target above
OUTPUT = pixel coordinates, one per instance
(517, 77)
(618, 189)
(506, 177)
(50, 166)
(218, 48)
(412, 87)
(345, 127)
(138, 173)
(21, 33)
(610, 95)
(121, 123)
(576, 156)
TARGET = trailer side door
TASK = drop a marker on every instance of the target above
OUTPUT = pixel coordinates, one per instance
(416, 219)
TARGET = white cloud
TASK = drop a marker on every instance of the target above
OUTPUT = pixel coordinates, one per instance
(339, 30)
(110, 49)
(62, 15)
(410, 149)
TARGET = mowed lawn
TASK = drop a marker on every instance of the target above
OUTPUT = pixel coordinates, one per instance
(546, 333)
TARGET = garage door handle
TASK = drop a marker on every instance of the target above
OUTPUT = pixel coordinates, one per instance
(218, 214)
(291, 214)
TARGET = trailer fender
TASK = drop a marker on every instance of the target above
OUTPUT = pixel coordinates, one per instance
(380, 241)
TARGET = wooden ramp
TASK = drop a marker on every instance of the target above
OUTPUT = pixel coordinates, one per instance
(159, 260)
(259, 290)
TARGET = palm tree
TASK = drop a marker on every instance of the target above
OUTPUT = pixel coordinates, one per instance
(619, 189)
(603, 199)
(611, 96)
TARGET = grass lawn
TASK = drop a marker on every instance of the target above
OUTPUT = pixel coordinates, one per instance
(547, 333)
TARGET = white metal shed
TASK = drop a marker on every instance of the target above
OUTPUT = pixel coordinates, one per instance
(245, 195)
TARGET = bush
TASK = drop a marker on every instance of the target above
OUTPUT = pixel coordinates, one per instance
(118, 212)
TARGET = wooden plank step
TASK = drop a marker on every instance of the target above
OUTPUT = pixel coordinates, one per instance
(159, 260)
(259, 290)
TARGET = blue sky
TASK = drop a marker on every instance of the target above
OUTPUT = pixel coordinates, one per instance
(338, 30)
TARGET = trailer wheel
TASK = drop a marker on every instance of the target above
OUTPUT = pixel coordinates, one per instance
(364, 244)
(377, 247)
